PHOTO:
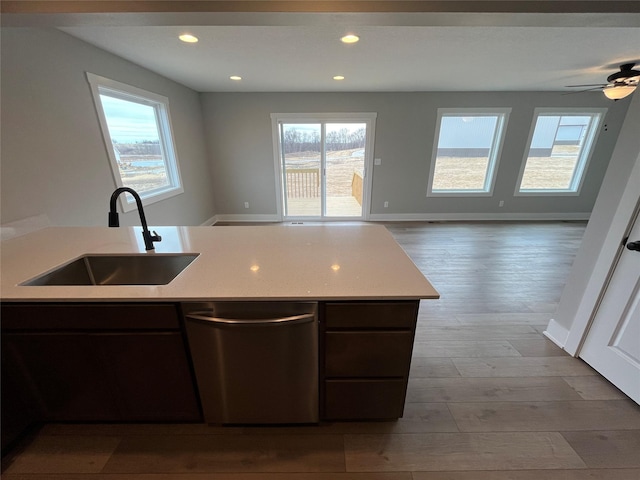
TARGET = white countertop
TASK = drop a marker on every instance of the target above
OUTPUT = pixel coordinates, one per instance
(269, 262)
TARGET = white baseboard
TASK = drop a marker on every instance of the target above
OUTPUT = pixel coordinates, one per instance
(210, 221)
(247, 218)
(464, 217)
(556, 333)
(419, 217)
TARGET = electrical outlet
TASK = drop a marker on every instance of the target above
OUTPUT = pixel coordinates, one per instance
(386, 204)
(501, 203)
(246, 204)
(377, 161)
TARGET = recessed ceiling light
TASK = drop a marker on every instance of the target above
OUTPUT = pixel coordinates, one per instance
(338, 77)
(188, 38)
(350, 38)
(237, 78)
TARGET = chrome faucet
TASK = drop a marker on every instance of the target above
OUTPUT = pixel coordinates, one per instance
(114, 221)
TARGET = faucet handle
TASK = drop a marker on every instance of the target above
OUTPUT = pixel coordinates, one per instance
(155, 237)
(113, 219)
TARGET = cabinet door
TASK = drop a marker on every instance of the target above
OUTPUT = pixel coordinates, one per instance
(149, 374)
(62, 375)
(19, 409)
(367, 356)
(400, 314)
(89, 316)
(364, 399)
(368, 353)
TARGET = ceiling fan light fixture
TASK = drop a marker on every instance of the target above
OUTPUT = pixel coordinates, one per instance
(617, 92)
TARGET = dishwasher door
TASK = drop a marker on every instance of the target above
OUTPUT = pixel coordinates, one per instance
(255, 362)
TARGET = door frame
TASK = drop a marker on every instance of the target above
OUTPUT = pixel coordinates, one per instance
(369, 118)
(605, 264)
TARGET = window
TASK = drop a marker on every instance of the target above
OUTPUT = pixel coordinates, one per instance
(466, 151)
(137, 132)
(559, 147)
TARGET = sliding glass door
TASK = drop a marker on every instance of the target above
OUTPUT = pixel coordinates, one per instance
(302, 165)
(322, 167)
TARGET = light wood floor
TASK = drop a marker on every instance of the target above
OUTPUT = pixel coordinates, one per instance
(489, 397)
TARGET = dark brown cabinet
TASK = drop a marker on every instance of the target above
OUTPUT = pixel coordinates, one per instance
(95, 362)
(367, 356)
(62, 375)
(149, 375)
(129, 362)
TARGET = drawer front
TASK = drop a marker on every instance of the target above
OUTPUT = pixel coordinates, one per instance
(368, 354)
(371, 314)
(364, 399)
(96, 316)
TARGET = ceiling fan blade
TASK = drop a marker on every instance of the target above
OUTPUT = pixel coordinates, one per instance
(585, 90)
(588, 85)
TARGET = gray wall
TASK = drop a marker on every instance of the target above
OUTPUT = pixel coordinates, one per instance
(239, 138)
(54, 161)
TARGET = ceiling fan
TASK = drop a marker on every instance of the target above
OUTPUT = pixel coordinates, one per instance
(619, 85)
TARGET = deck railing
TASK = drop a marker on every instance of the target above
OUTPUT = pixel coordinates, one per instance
(303, 182)
(357, 184)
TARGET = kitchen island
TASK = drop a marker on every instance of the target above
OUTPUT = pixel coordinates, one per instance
(292, 262)
(120, 353)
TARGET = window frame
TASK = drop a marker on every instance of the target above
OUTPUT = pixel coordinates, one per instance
(597, 114)
(495, 150)
(102, 85)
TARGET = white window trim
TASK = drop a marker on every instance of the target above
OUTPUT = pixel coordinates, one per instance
(369, 118)
(583, 161)
(494, 161)
(125, 91)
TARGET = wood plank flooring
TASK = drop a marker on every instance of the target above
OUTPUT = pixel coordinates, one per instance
(489, 397)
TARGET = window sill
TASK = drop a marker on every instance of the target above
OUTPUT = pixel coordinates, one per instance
(150, 199)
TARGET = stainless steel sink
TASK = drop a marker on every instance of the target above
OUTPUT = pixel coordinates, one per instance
(144, 269)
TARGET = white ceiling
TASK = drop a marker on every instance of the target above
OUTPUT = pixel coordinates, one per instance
(433, 51)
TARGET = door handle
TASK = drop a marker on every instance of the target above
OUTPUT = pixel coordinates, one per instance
(634, 246)
(208, 318)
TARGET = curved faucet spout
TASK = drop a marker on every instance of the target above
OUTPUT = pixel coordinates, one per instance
(114, 220)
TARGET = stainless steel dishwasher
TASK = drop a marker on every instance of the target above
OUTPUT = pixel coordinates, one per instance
(255, 362)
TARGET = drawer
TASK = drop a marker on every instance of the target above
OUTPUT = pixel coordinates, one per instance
(368, 354)
(89, 316)
(371, 314)
(364, 399)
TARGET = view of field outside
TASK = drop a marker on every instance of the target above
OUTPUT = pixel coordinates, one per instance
(344, 158)
(466, 151)
(142, 168)
(554, 172)
(133, 129)
(341, 165)
(458, 173)
(543, 173)
(141, 165)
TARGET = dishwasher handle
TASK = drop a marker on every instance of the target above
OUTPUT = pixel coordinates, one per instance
(289, 320)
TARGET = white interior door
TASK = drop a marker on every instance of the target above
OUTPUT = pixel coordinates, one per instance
(612, 345)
